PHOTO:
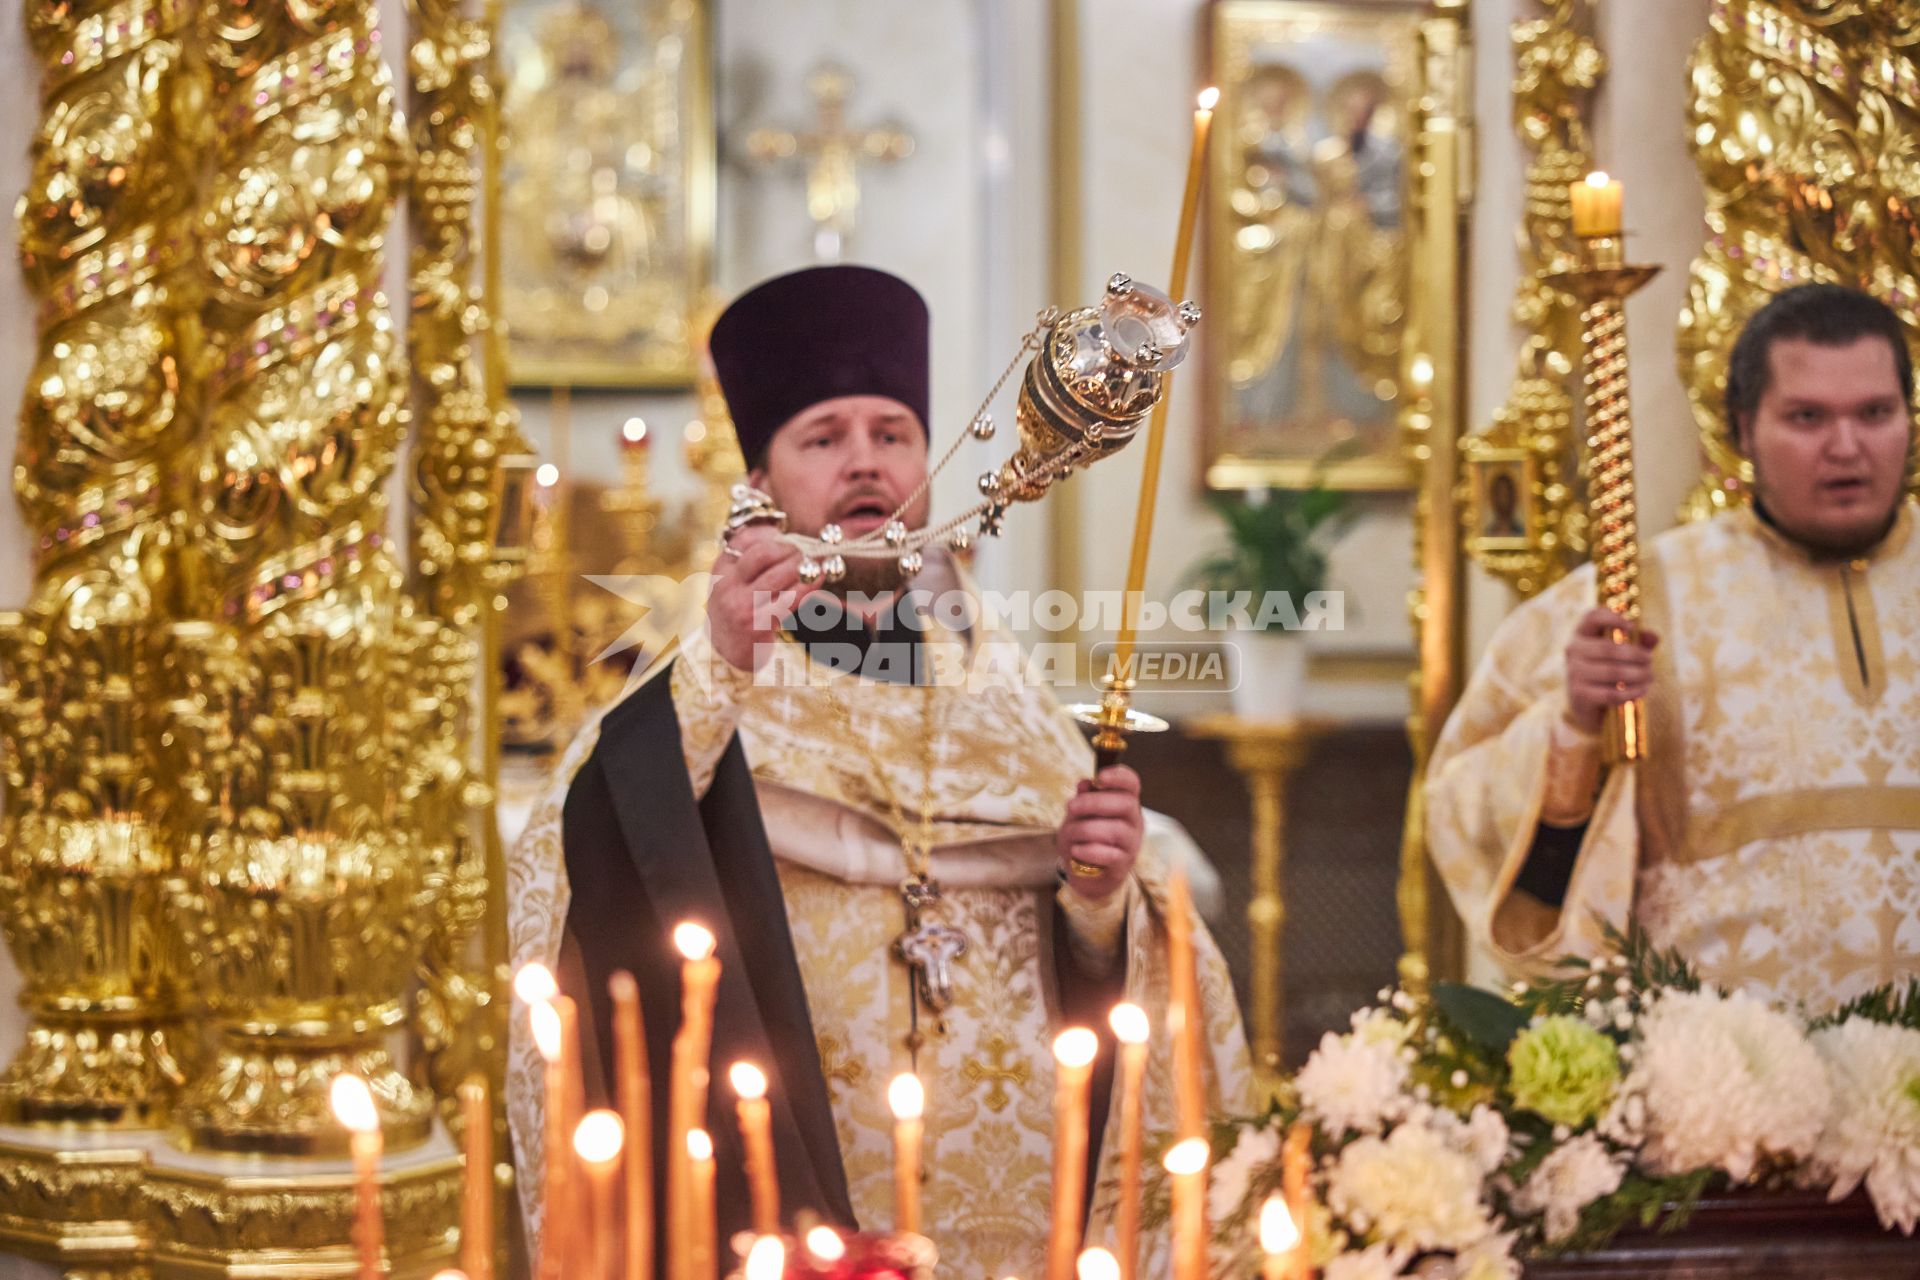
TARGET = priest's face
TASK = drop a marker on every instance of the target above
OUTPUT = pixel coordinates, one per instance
(848, 461)
(1829, 441)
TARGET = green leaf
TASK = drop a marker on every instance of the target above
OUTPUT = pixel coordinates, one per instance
(1482, 1017)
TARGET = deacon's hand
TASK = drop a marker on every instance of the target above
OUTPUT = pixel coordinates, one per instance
(753, 593)
(1103, 829)
(1601, 673)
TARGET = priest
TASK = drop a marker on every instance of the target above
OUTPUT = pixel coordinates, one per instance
(1772, 834)
(893, 835)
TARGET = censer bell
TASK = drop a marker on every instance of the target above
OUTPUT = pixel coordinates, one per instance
(1096, 376)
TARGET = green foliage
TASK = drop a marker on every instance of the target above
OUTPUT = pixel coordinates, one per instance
(1276, 542)
(1897, 1006)
(1486, 1019)
(1663, 1204)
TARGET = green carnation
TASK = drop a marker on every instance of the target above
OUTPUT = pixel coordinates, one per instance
(1564, 1070)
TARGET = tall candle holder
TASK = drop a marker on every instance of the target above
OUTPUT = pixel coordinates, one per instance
(1602, 282)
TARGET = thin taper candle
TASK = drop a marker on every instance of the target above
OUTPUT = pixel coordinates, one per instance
(636, 1114)
(1186, 1161)
(756, 1132)
(1130, 602)
(1073, 1053)
(687, 1097)
(598, 1140)
(1132, 1030)
(702, 1252)
(353, 1106)
(476, 1192)
(1183, 1010)
(556, 1192)
(907, 1100)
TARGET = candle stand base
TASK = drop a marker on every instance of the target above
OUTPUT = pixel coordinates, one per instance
(71, 1200)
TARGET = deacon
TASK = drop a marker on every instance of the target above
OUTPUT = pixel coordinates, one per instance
(1772, 834)
(894, 836)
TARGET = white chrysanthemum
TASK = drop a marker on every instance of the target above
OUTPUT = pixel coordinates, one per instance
(1485, 1136)
(1575, 1175)
(1379, 1026)
(1377, 1262)
(1874, 1132)
(1353, 1082)
(1490, 1259)
(1726, 1081)
(1412, 1189)
(1227, 1185)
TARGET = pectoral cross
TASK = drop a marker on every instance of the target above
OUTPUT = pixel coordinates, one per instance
(929, 948)
(832, 152)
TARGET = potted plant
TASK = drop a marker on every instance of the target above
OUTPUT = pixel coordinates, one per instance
(1276, 553)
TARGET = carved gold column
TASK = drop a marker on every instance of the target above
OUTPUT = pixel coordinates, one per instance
(84, 864)
(1802, 117)
(1557, 65)
(1440, 196)
(310, 715)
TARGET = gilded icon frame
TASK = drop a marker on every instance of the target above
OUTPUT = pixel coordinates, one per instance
(614, 291)
(1253, 435)
(1486, 528)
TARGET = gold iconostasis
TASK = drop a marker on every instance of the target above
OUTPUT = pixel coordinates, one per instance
(348, 339)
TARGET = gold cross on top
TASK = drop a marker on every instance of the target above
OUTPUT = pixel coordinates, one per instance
(832, 152)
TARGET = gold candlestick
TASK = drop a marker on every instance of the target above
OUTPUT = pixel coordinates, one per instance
(1602, 282)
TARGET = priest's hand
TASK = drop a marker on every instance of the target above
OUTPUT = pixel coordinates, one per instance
(1601, 673)
(1103, 830)
(756, 588)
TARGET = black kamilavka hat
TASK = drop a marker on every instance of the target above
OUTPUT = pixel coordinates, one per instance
(786, 345)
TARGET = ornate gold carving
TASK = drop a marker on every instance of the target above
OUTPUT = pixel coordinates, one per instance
(81, 876)
(77, 1209)
(1803, 117)
(310, 877)
(1438, 195)
(1557, 66)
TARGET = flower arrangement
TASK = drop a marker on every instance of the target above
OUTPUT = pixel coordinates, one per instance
(1456, 1133)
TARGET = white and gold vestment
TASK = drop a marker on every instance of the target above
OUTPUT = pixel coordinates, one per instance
(1773, 834)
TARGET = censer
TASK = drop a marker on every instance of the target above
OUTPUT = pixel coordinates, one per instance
(1093, 377)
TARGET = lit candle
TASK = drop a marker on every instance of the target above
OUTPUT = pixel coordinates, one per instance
(1073, 1054)
(636, 1113)
(549, 1037)
(633, 434)
(766, 1259)
(1296, 1161)
(1097, 1264)
(825, 1245)
(1279, 1238)
(597, 1140)
(1183, 1006)
(534, 984)
(702, 1230)
(1131, 1028)
(1597, 203)
(1190, 199)
(1187, 1161)
(908, 1101)
(450, 1274)
(756, 1131)
(687, 1099)
(353, 1107)
(476, 1195)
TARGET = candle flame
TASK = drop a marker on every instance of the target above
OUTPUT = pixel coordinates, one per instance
(546, 1030)
(547, 475)
(694, 941)
(1129, 1023)
(1186, 1157)
(598, 1137)
(748, 1081)
(1097, 1264)
(1076, 1047)
(634, 430)
(825, 1244)
(1278, 1231)
(906, 1097)
(450, 1275)
(534, 984)
(1209, 98)
(767, 1259)
(1598, 179)
(353, 1104)
(699, 1144)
